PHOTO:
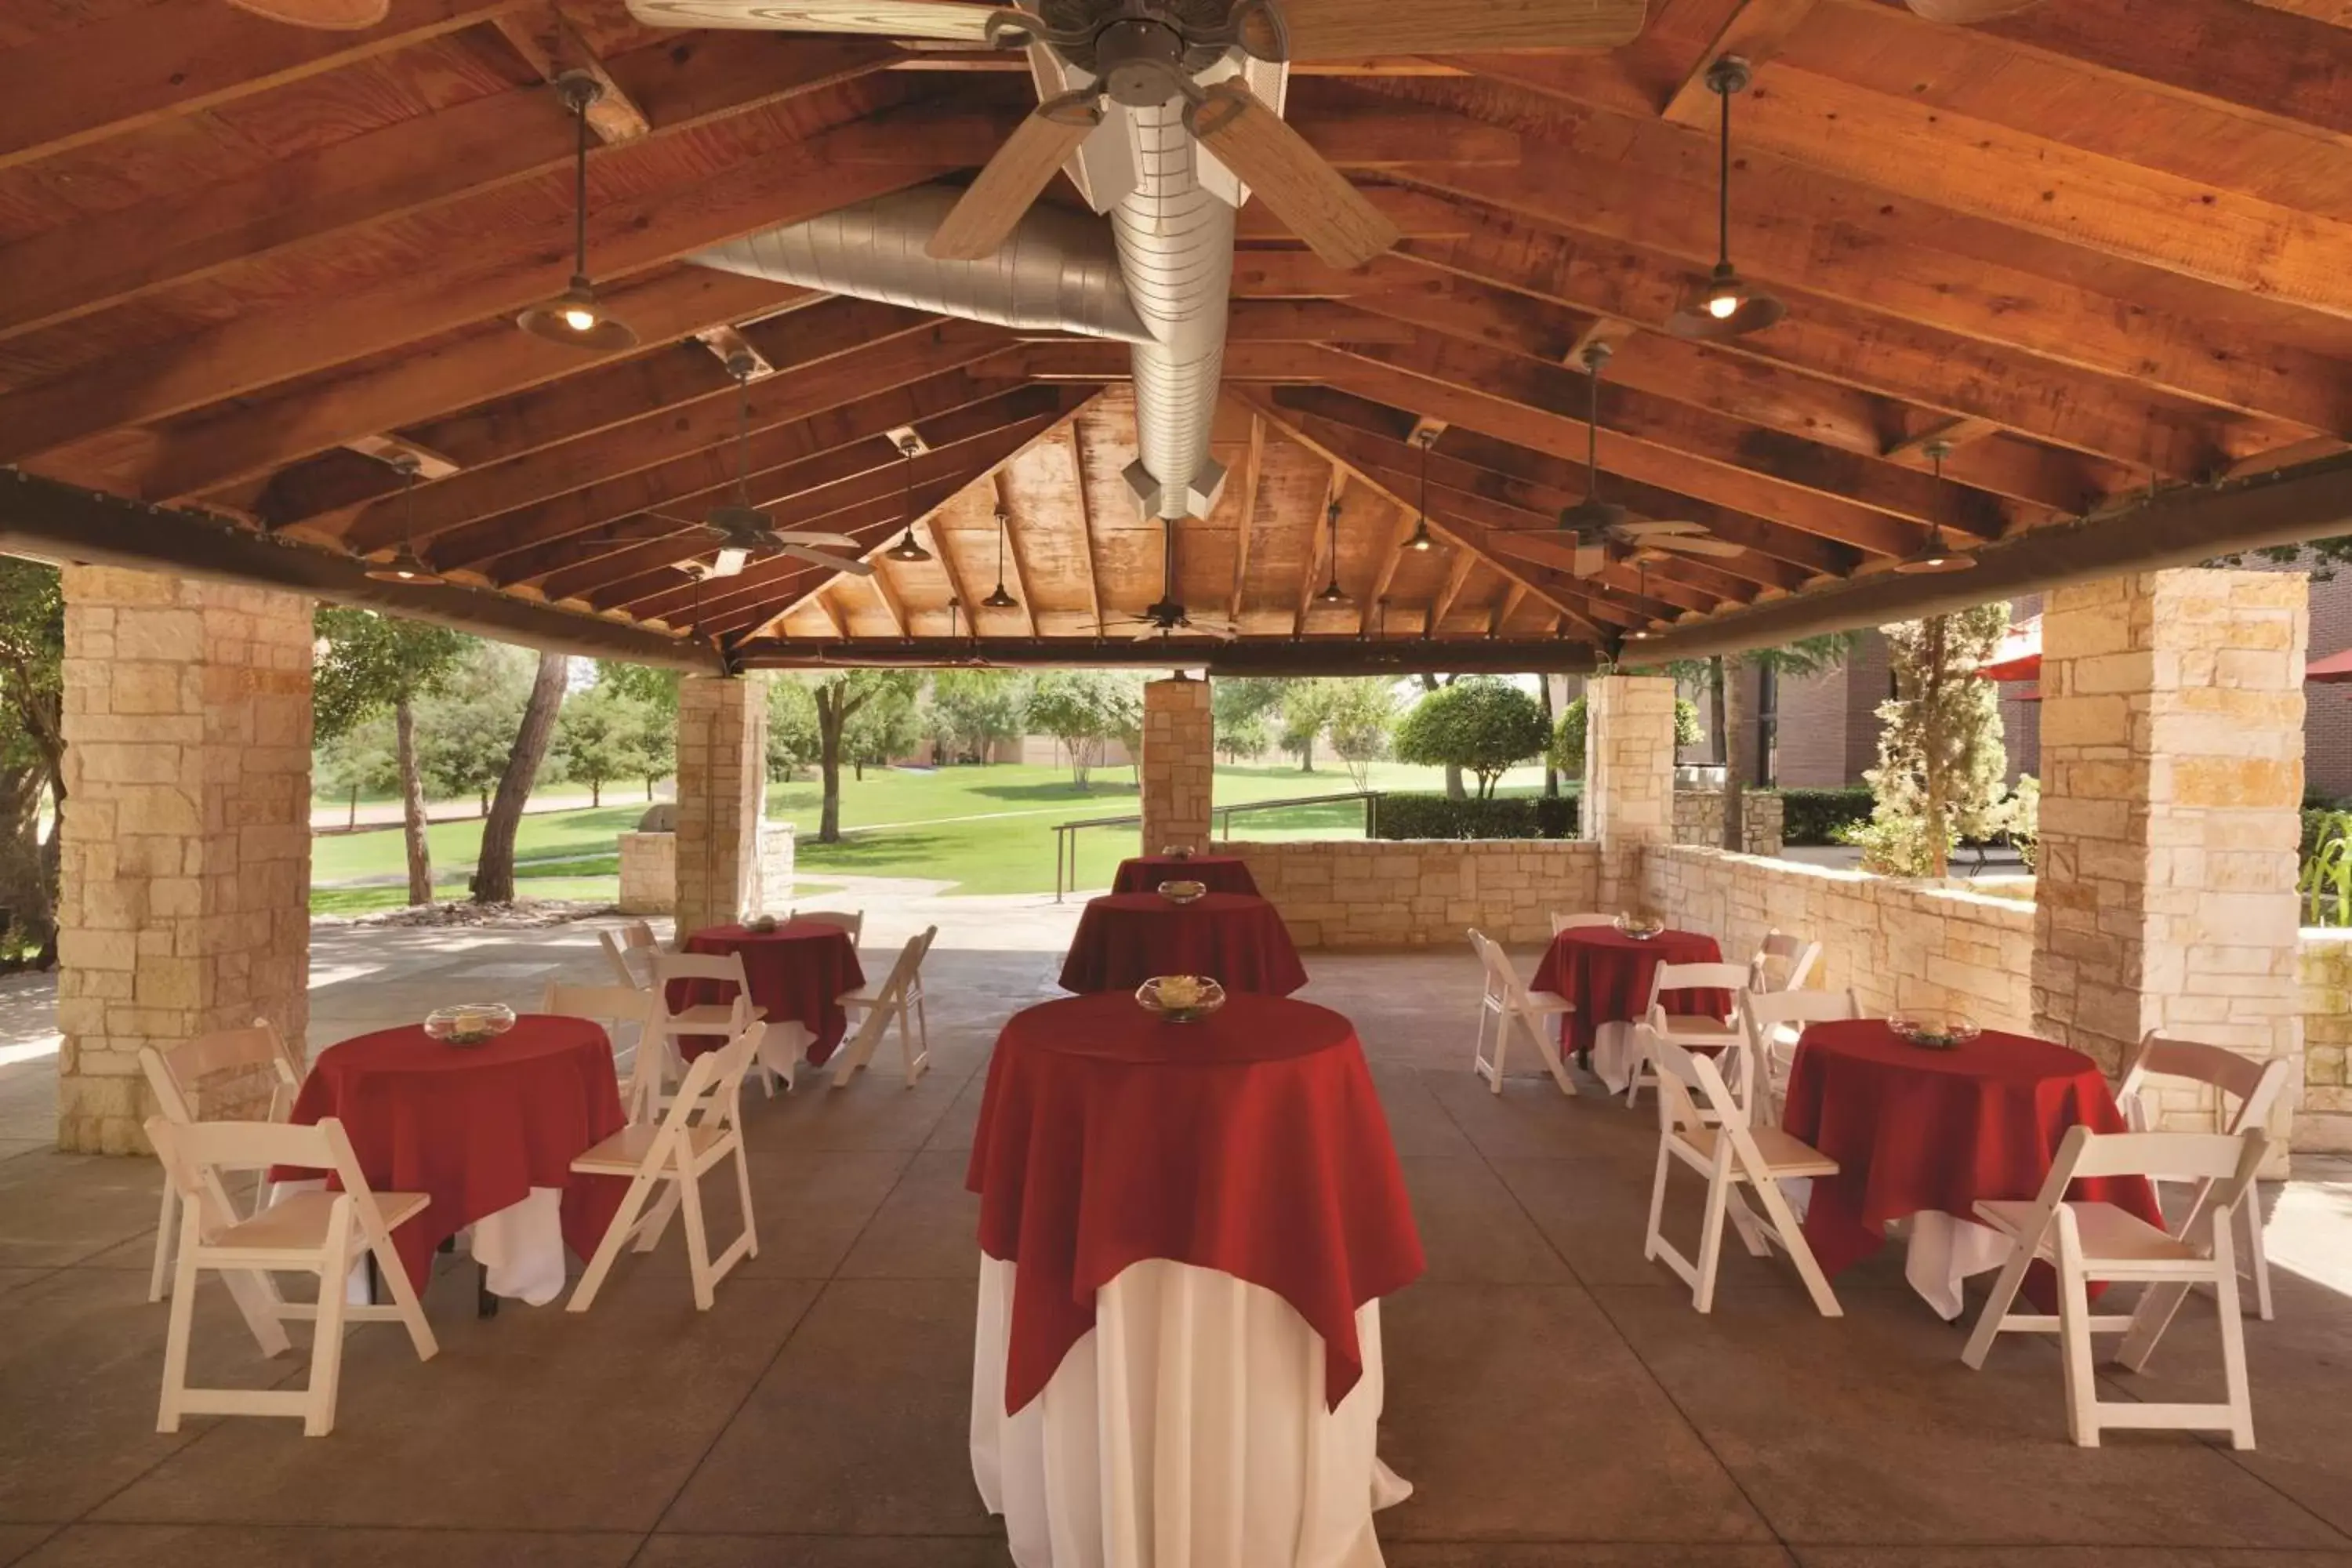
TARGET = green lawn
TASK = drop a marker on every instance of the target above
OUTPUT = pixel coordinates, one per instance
(985, 829)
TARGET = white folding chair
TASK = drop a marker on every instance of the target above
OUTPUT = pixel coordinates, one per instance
(1693, 1031)
(2254, 1084)
(900, 994)
(1702, 1125)
(2087, 1241)
(851, 921)
(1775, 1022)
(1782, 963)
(309, 1232)
(701, 1019)
(703, 1126)
(1506, 1000)
(652, 1060)
(1560, 922)
(228, 1071)
(630, 955)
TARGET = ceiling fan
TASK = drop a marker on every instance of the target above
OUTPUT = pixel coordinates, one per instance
(340, 15)
(1594, 535)
(1147, 53)
(1966, 13)
(1169, 618)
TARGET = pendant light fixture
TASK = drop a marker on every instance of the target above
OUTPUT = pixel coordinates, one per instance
(1936, 556)
(1726, 306)
(907, 549)
(1333, 594)
(406, 565)
(1421, 541)
(1641, 632)
(575, 316)
(1000, 599)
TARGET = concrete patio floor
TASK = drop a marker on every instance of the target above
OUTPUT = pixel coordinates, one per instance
(1554, 1399)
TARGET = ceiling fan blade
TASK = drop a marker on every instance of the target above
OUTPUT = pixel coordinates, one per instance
(814, 540)
(842, 564)
(340, 15)
(1350, 29)
(978, 225)
(1650, 528)
(1693, 544)
(949, 19)
(1965, 13)
(1151, 629)
(1307, 193)
(1545, 547)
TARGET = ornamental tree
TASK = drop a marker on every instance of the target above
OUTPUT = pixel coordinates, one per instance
(1484, 726)
(1940, 759)
(372, 664)
(1084, 710)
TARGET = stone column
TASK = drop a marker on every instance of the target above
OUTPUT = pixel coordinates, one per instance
(2172, 776)
(185, 887)
(1178, 766)
(1629, 777)
(722, 782)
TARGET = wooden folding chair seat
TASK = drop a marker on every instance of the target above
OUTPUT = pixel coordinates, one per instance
(653, 1058)
(900, 996)
(702, 1128)
(1507, 1001)
(2088, 1241)
(1703, 1125)
(1775, 1022)
(851, 921)
(309, 1232)
(242, 1074)
(1693, 1031)
(2254, 1084)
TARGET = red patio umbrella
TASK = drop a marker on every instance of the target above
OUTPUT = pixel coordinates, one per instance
(2335, 668)
(2018, 655)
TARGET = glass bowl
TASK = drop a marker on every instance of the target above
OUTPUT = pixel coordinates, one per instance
(760, 924)
(1198, 997)
(1934, 1029)
(1176, 852)
(1642, 928)
(1182, 892)
(470, 1024)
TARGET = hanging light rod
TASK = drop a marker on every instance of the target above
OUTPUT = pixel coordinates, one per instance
(576, 317)
(1332, 594)
(1726, 305)
(1421, 541)
(406, 565)
(907, 550)
(1935, 555)
(1000, 599)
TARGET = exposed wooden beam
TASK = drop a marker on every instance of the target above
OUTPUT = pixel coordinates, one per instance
(728, 344)
(1755, 32)
(1253, 464)
(57, 522)
(1954, 433)
(148, 64)
(1324, 526)
(550, 45)
(1075, 439)
(390, 449)
(885, 588)
(1247, 655)
(818, 605)
(1605, 332)
(1507, 604)
(1390, 559)
(1456, 575)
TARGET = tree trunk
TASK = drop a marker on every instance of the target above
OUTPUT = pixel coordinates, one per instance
(494, 877)
(351, 819)
(1717, 720)
(1551, 773)
(1739, 748)
(411, 803)
(830, 719)
(595, 792)
(1453, 789)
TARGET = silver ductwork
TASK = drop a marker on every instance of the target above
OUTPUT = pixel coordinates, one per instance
(1059, 271)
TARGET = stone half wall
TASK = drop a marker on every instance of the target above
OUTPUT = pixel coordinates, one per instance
(1894, 943)
(1699, 819)
(2324, 1118)
(648, 873)
(1420, 893)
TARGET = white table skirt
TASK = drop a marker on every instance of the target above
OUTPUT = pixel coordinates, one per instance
(1616, 1052)
(1186, 1430)
(1944, 1251)
(520, 1247)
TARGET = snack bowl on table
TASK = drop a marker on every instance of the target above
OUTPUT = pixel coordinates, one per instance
(1180, 999)
(1176, 852)
(760, 924)
(470, 1024)
(1182, 892)
(1641, 928)
(1934, 1029)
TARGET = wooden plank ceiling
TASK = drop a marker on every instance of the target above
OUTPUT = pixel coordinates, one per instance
(2098, 246)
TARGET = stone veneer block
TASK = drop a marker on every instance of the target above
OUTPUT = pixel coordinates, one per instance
(722, 783)
(1629, 776)
(1418, 892)
(1179, 766)
(648, 873)
(2324, 1121)
(185, 887)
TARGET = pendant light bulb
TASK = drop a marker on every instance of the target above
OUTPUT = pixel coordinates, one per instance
(575, 318)
(406, 565)
(1332, 594)
(1421, 542)
(1726, 306)
(1936, 556)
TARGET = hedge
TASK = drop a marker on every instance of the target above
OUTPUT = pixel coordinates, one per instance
(1812, 815)
(1510, 816)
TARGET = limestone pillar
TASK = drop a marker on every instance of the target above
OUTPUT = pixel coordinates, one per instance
(185, 887)
(1629, 777)
(1178, 766)
(722, 782)
(2172, 775)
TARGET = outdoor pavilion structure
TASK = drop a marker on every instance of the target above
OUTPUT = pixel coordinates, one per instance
(2064, 291)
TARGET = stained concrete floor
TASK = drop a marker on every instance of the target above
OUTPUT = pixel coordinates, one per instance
(1553, 1398)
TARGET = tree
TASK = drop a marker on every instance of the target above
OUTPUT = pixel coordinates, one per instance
(1566, 753)
(884, 727)
(494, 877)
(791, 728)
(1484, 726)
(649, 698)
(1453, 790)
(974, 710)
(1736, 729)
(1306, 713)
(1940, 759)
(595, 738)
(32, 753)
(1362, 712)
(376, 663)
(838, 698)
(467, 728)
(1083, 709)
(1238, 710)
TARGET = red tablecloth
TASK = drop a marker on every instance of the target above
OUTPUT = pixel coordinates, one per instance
(1251, 1142)
(1236, 939)
(1218, 873)
(1913, 1128)
(474, 1128)
(797, 971)
(1607, 974)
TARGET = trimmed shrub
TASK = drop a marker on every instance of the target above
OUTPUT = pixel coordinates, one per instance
(1815, 816)
(1509, 816)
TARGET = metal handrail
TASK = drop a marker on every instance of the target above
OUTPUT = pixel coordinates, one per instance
(1065, 833)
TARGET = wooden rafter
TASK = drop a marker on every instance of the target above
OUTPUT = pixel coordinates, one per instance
(550, 45)
(1011, 536)
(1322, 545)
(1095, 599)
(1253, 463)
